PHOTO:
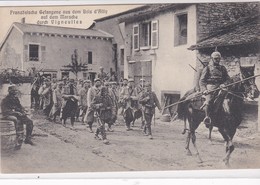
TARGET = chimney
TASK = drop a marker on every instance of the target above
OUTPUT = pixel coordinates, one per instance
(23, 20)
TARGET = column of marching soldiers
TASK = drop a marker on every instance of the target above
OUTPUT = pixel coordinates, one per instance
(99, 102)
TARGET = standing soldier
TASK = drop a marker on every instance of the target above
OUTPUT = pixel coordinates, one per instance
(83, 100)
(121, 102)
(113, 93)
(70, 103)
(12, 110)
(92, 92)
(102, 105)
(140, 90)
(102, 75)
(129, 98)
(149, 101)
(57, 101)
(45, 96)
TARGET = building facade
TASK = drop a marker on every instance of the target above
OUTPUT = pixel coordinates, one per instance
(48, 49)
(157, 40)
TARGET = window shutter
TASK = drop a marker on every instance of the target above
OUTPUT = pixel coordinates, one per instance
(43, 53)
(155, 34)
(136, 37)
(25, 51)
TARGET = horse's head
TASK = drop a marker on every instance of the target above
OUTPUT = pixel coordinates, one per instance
(251, 90)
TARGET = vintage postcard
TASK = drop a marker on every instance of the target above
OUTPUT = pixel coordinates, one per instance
(130, 87)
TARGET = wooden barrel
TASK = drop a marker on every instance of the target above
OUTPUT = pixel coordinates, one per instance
(8, 135)
(165, 118)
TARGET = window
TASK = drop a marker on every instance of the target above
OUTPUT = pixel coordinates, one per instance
(85, 76)
(154, 35)
(181, 29)
(33, 52)
(145, 35)
(54, 75)
(90, 57)
(64, 74)
(136, 37)
(122, 56)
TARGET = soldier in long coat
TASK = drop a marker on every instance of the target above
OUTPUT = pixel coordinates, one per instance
(129, 98)
(13, 110)
(102, 105)
(149, 101)
(92, 92)
(83, 99)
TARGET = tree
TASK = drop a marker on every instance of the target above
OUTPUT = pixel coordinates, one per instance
(75, 67)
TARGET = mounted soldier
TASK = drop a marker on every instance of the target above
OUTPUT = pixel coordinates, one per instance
(213, 76)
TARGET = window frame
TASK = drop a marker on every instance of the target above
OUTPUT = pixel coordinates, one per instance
(138, 37)
(157, 34)
(177, 31)
(39, 52)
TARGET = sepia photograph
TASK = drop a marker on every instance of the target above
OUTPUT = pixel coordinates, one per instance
(129, 87)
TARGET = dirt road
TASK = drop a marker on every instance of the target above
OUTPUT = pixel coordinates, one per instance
(60, 149)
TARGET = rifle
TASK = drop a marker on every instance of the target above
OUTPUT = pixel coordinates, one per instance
(201, 93)
(201, 62)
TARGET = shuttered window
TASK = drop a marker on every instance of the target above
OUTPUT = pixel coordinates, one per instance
(155, 34)
(136, 37)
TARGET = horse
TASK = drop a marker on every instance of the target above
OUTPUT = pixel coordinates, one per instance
(225, 114)
(251, 90)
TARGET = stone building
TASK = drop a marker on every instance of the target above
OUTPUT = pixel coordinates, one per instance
(49, 48)
(155, 40)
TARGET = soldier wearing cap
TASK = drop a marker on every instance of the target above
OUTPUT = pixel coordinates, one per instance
(129, 98)
(57, 101)
(102, 75)
(83, 100)
(70, 102)
(149, 101)
(213, 76)
(92, 92)
(45, 96)
(13, 110)
(102, 105)
(113, 93)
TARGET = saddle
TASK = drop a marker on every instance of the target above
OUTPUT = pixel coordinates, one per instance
(198, 102)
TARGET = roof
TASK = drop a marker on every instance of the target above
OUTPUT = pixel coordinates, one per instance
(24, 27)
(245, 31)
(152, 10)
(121, 13)
(46, 29)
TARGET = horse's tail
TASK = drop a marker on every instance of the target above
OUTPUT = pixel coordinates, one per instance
(182, 107)
(181, 110)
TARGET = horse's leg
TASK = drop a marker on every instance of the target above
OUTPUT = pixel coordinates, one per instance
(210, 131)
(188, 138)
(185, 126)
(193, 138)
(188, 144)
(229, 146)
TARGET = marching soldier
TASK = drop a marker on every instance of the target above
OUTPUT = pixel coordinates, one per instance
(83, 100)
(213, 76)
(149, 101)
(92, 92)
(13, 110)
(70, 102)
(114, 96)
(102, 75)
(129, 99)
(102, 105)
(57, 101)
